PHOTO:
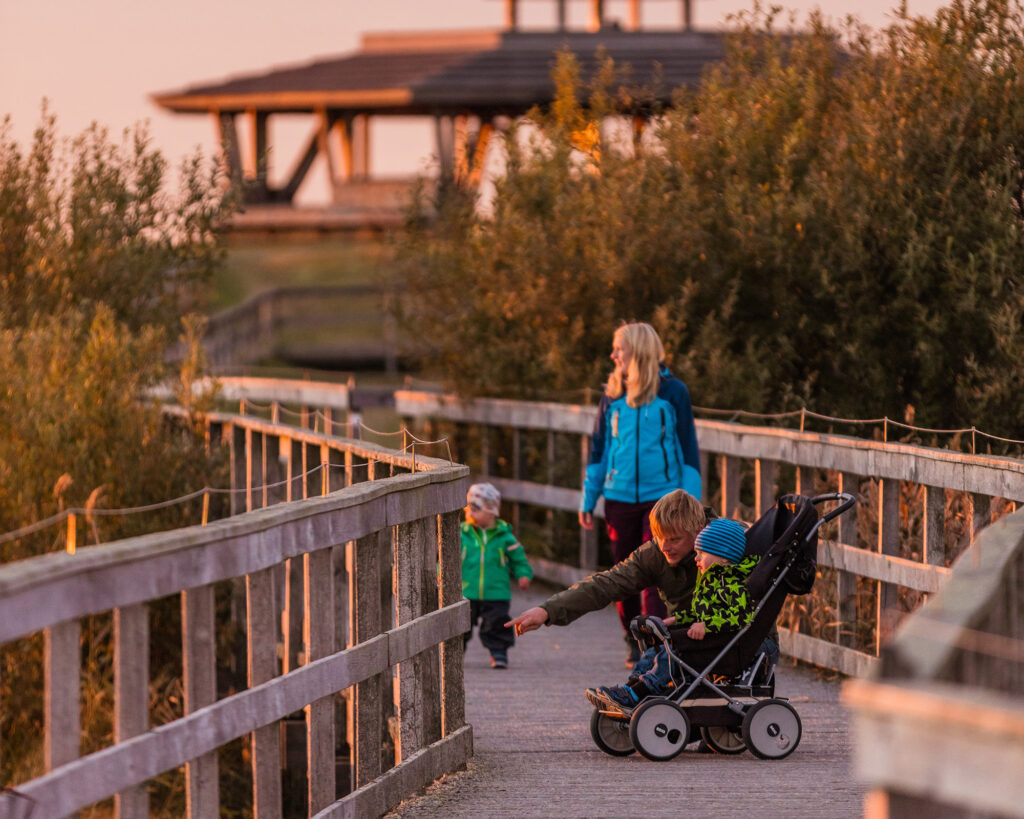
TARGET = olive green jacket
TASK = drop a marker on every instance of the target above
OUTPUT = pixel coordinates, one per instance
(645, 567)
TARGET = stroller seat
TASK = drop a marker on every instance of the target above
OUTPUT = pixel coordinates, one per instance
(725, 685)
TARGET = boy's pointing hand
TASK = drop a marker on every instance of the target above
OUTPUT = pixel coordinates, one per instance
(529, 620)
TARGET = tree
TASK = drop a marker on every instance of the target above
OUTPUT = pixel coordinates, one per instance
(831, 218)
(99, 265)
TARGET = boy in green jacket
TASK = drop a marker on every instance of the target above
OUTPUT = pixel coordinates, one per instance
(491, 556)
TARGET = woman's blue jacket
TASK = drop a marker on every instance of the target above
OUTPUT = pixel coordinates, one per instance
(639, 454)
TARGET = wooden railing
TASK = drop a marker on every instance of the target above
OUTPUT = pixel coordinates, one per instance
(363, 565)
(940, 727)
(759, 464)
(342, 325)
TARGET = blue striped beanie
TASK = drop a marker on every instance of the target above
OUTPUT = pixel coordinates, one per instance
(722, 537)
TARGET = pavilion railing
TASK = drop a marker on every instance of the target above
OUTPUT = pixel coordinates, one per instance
(870, 574)
(345, 559)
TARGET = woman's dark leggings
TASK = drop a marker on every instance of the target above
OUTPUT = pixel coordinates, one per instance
(628, 526)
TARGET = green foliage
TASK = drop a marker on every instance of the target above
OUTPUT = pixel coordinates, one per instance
(98, 265)
(830, 218)
(98, 268)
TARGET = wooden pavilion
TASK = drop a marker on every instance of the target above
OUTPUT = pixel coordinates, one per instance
(468, 82)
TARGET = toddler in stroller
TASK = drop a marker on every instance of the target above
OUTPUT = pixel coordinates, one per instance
(731, 700)
(720, 605)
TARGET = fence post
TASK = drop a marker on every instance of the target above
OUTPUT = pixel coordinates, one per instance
(62, 673)
(318, 636)
(729, 471)
(131, 695)
(588, 537)
(934, 526)
(888, 544)
(368, 622)
(200, 688)
(846, 583)
(764, 486)
(262, 645)
(453, 690)
(409, 553)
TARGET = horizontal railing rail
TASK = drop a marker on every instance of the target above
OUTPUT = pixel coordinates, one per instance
(349, 597)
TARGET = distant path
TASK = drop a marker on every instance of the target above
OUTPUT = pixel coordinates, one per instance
(534, 756)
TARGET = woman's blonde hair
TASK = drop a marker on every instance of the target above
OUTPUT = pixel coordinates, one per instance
(646, 355)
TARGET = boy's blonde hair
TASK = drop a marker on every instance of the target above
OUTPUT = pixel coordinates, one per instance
(646, 353)
(678, 513)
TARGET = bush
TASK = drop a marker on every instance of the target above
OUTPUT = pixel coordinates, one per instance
(830, 219)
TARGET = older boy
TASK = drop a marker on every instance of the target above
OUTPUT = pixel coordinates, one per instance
(721, 605)
(490, 555)
(665, 562)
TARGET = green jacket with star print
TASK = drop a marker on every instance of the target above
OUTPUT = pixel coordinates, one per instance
(489, 560)
(720, 599)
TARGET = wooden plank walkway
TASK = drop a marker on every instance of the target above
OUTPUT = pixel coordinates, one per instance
(534, 756)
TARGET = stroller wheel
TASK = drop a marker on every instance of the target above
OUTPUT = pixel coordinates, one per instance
(659, 729)
(611, 735)
(723, 740)
(771, 729)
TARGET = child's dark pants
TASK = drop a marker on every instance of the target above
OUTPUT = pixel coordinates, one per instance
(492, 615)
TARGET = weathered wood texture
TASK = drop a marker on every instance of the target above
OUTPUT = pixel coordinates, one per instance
(285, 555)
(940, 727)
(732, 447)
(533, 755)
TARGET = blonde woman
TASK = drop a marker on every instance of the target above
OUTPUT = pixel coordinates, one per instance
(644, 446)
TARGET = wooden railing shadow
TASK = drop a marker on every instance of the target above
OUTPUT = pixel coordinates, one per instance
(355, 546)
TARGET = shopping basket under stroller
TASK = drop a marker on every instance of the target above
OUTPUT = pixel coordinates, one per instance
(731, 702)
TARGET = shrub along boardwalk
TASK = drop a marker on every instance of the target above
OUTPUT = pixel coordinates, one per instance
(534, 755)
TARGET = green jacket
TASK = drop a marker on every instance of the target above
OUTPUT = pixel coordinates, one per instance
(645, 567)
(721, 600)
(489, 560)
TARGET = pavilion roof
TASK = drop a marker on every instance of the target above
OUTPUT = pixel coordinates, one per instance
(450, 72)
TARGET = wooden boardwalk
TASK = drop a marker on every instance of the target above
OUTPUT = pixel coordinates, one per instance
(534, 756)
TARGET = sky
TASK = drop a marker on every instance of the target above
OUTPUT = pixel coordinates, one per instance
(100, 60)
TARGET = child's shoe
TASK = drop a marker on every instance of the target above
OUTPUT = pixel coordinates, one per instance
(499, 660)
(619, 695)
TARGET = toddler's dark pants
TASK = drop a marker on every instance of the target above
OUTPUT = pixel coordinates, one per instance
(492, 616)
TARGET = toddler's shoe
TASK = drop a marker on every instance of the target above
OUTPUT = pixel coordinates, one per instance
(619, 695)
(499, 660)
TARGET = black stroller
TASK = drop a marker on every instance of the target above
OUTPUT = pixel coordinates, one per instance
(731, 703)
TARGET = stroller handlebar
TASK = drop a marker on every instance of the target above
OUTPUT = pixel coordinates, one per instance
(847, 499)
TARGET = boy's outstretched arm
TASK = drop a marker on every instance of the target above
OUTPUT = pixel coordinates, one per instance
(529, 620)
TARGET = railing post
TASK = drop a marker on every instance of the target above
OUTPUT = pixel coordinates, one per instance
(846, 583)
(409, 554)
(764, 486)
(368, 622)
(262, 645)
(934, 526)
(888, 544)
(729, 472)
(202, 790)
(62, 673)
(588, 537)
(319, 642)
(453, 690)
(131, 695)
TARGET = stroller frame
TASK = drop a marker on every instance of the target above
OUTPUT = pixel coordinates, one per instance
(742, 711)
